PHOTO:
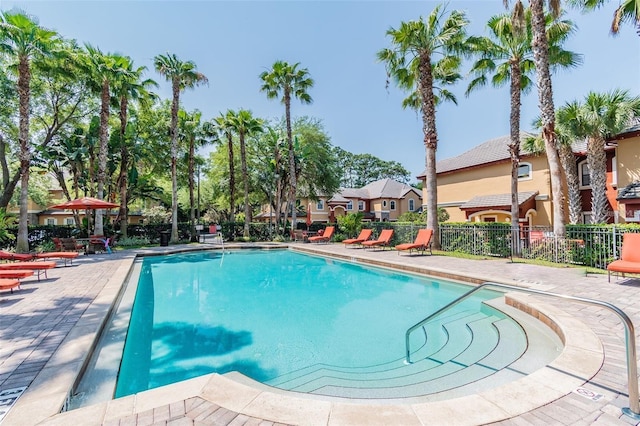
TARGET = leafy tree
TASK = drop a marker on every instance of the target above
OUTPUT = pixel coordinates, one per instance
(287, 80)
(506, 57)
(361, 169)
(23, 40)
(182, 75)
(411, 62)
(627, 11)
(224, 128)
(156, 215)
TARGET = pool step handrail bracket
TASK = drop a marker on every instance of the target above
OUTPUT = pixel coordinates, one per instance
(633, 410)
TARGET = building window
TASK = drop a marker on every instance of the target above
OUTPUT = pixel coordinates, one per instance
(320, 205)
(392, 203)
(51, 221)
(69, 221)
(614, 171)
(411, 205)
(586, 217)
(524, 171)
(384, 203)
(583, 174)
(350, 205)
(361, 205)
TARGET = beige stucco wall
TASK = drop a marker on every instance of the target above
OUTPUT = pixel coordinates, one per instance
(628, 159)
(459, 187)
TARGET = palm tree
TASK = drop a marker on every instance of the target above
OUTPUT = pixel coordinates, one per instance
(540, 47)
(224, 127)
(244, 124)
(24, 40)
(105, 69)
(602, 115)
(627, 11)
(182, 75)
(287, 80)
(412, 64)
(128, 86)
(507, 58)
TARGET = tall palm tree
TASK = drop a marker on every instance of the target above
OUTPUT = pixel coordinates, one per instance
(600, 116)
(506, 57)
(244, 124)
(424, 53)
(223, 125)
(288, 80)
(105, 70)
(129, 86)
(23, 40)
(545, 99)
(182, 75)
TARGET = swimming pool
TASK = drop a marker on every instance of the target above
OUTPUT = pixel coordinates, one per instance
(306, 323)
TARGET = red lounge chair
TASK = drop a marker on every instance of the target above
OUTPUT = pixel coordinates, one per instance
(629, 261)
(15, 274)
(365, 234)
(325, 237)
(65, 255)
(22, 257)
(6, 284)
(383, 240)
(38, 267)
(422, 242)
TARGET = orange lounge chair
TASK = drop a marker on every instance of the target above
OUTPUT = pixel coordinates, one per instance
(38, 267)
(6, 284)
(422, 242)
(325, 237)
(16, 274)
(365, 234)
(23, 257)
(65, 255)
(383, 240)
(629, 261)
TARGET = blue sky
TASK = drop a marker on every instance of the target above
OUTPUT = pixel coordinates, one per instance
(232, 42)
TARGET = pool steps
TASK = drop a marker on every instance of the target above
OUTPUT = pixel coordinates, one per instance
(450, 363)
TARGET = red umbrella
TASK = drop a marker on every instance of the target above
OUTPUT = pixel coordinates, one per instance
(85, 203)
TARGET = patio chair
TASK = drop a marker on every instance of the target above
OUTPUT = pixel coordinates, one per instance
(384, 239)
(21, 257)
(325, 237)
(422, 242)
(39, 267)
(365, 234)
(16, 274)
(7, 284)
(629, 261)
(67, 256)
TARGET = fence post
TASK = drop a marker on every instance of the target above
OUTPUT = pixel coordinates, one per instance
(614, 242)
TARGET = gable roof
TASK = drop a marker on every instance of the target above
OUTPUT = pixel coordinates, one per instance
(493, 150)
(383, 188)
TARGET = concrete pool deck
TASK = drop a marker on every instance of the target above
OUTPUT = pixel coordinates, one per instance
(47, 330)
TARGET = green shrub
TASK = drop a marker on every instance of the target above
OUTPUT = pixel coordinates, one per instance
(133, 241)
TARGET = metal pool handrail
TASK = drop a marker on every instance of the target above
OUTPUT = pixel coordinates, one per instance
(630, 338)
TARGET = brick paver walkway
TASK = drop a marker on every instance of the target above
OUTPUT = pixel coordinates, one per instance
(36, 319)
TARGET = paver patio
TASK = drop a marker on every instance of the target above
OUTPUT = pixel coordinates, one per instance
(47, 328)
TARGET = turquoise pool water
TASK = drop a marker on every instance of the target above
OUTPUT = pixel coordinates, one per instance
(267, 314)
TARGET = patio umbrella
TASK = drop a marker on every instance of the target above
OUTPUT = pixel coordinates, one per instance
(308, 216)
(85, 203)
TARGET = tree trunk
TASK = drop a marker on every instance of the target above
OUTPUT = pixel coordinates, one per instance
(547, 113)
(174, 158)
(232, 186)
(102, 153)
(597, 161)
(192, 215)
(514, 152)
(124, 169)
(24, 94)
(245, 178)
(573, 183)
(425, 86)
(292, 160)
